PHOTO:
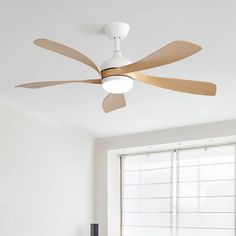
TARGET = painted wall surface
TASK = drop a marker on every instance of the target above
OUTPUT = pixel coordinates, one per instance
(46, 178)
(104, 145)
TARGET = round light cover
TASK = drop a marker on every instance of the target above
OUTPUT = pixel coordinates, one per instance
(117, 84)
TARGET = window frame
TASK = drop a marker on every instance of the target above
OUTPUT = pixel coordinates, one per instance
(174, 158)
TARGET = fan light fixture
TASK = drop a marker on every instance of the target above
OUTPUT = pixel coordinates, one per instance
(117, 84)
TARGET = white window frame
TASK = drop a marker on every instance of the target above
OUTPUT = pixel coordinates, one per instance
(114, 205)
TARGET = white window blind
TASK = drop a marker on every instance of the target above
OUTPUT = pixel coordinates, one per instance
(183, 192)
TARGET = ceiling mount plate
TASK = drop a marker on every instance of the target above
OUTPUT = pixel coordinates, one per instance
(117, 29)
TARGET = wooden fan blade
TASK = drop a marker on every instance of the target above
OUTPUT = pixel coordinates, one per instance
(43, 84)
(172, 52)
(113, 102)
(66, 51)
(185, 86)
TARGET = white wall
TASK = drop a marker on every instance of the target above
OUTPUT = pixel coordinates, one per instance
(160, 137)
(46, 178)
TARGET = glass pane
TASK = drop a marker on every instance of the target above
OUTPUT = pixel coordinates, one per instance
(146, 231)
(206, 220)
(147, 161)
(146, 205)
(146, 219)
(213, 204)
(205, 232)
(147, 177)
(206, 191)
(147, 191)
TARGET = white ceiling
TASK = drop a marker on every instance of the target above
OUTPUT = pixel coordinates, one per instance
(154, 23)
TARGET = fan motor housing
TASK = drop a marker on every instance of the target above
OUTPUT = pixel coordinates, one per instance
(116, 60)
(116, 84)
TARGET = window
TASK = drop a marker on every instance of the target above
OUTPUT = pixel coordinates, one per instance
(179, 192)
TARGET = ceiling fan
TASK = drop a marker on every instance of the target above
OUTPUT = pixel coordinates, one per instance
(117, 73)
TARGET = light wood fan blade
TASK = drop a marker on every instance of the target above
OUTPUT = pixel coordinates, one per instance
(172, 52)
(66, 51)
(43, 84)
(185, 86)
(113, 102)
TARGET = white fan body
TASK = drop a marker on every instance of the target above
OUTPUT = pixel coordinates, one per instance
(119, 83)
